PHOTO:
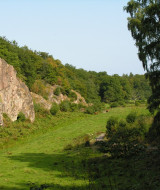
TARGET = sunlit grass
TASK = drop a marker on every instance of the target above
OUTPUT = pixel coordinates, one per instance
(39, 157)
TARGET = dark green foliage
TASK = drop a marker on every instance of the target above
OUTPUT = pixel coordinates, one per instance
(98, 106)
(54, 109)
(40, 110)
(72, 95)
(131, 117)
(90, 110)
(111, 126)
(145, 29)
(66, 91)
(38, 68)
(114, 105)
(154, 131)
(81, 106)
(21, 117)
(57, 91)
(122, 103)
(122, 123)
(125, 140)
(74, 107)
(65, 106)
(111, 89)
(137, 103)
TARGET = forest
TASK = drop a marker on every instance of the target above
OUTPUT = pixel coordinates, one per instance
(36, 68)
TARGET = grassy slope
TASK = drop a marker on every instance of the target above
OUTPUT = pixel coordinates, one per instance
(41, 158)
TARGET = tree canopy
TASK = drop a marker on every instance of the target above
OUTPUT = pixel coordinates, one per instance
(36, 68)
(144, 24)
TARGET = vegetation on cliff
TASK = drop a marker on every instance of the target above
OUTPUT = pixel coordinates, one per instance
(33, 67)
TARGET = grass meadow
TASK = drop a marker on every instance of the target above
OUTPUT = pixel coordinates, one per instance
(50, 154)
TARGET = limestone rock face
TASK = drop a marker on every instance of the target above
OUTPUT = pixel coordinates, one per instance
(52, 98)
(80, 99)
(14, 94)
(40, 100)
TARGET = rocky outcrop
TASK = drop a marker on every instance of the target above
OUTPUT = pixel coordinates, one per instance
(57, 99)
(80, 99)
(40, 100)
(52, 98)
(14, 94)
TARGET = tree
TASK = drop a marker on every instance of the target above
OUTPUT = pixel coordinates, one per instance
(144, 24)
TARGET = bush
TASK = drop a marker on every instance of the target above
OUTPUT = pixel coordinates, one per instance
(122, 123)
(40, 88)
(57, 91)
(137, 103)
(65, 106)
(62, 90)
(74, 107)
(40, 110)
(54, 109)
(21, 117)
(80, 105)
(122, 103)
(111, 126)
(90, 110)
(98, 106)
(131, 117)
(114, 105)
(72, 95)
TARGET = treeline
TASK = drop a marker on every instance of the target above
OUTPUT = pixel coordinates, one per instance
(33, 66)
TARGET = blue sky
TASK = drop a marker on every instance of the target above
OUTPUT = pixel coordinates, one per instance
(89, 34)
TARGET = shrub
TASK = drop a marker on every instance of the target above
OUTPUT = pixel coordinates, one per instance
(80, 100)
(74, 107)
(21, 117)
(111, 126)
(122, 123)
(122, 103)
(57, 91)
(40, 110)
(72, 95)
(65, 90)
(6, 120)
(86, 141)
(98, 106)
(114, 105)
(54, 109)
(131, 117)
(39, 88)
(137, 103)
(62, 90)
(65, 106)
(90, 110)
(80, 105)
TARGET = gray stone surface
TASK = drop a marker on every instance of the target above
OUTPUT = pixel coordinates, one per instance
(14, 94)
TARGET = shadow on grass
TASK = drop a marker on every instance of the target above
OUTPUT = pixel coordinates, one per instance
(9, 188)
(97, 173)
(71, 164)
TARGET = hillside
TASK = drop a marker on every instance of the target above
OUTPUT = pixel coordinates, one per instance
(36, 68)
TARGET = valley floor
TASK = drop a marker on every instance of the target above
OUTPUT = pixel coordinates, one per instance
(57, 158)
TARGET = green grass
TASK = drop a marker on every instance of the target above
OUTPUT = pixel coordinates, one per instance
(38, 156)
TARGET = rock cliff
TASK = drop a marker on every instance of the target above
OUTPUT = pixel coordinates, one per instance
(52, 98)
(14, 94)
